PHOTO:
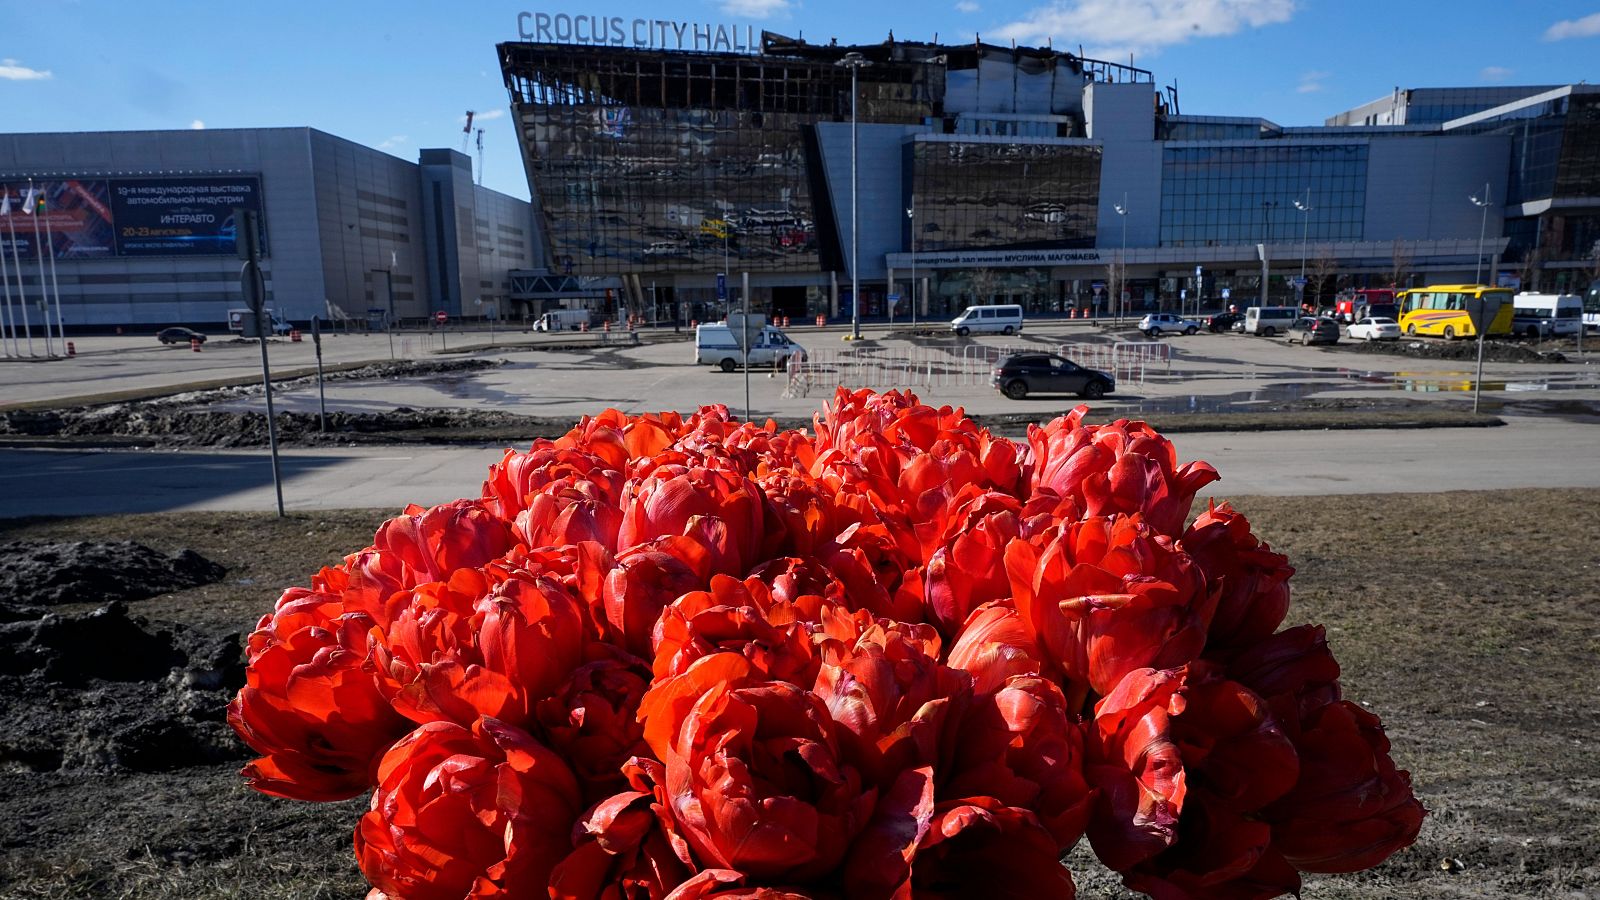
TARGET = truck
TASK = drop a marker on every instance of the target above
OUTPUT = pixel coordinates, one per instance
(562, 320)
(720, 344)
(240, 321)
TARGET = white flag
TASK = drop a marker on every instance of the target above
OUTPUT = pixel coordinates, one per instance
(27, 202)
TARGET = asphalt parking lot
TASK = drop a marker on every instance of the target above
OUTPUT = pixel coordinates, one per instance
(551, 375)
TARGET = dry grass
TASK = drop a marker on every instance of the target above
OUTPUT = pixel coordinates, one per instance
(1469, 621)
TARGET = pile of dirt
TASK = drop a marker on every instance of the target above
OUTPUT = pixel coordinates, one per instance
(34, 573)
(103, 691)
(166, 426)
(1499, 351)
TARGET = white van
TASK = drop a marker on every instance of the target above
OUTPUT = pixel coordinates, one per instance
(562, 320)
(1004, 319)
(241, 321)
(1546, 315)
(717, 345)
(1269, 320)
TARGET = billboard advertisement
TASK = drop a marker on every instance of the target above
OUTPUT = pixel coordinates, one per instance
(191, 216)
(77, 214)
(90, 218)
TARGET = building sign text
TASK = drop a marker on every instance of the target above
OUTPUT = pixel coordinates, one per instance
(616, 31)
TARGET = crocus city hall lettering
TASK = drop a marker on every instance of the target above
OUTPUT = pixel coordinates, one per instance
(616, 31)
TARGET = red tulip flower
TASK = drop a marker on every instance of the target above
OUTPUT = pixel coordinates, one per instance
(1125, 467)
(754, 774)
(1253, 580)
(310, 704)
(1351, 807)
(980, 848)
(486, 812)
(1106, 597)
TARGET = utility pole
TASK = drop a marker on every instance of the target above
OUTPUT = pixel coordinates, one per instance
(854, 62)
(1483, 225)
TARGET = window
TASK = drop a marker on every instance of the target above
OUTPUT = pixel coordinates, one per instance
(1246, 194)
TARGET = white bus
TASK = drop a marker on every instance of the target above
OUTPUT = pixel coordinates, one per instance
(1546, 315)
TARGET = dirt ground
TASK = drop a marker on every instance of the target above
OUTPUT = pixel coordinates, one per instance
(1468, 621)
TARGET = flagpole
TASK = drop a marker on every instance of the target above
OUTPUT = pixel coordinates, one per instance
(38, 253)
(55, 287)
(22, 296)
(10, 322)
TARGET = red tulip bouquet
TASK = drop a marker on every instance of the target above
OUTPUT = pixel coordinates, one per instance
(669, 657)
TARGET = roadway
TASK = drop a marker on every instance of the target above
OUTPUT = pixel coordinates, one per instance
(1528, 452)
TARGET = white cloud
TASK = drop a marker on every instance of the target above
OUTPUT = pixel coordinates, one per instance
(1494, 73)
(12, 70)
(1311, 82)
(393, 141)
(1588, 26)
(967, 6)
(1141, 25)
(198, 124)
(755, 9)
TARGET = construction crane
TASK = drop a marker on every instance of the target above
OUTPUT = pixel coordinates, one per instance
(466, 130)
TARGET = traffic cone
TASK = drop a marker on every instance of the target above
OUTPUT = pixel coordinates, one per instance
(72, 350)
(194, 344)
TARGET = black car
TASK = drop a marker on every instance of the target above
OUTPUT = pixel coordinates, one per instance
(1223, 322)
(179, 335)
(1045, 373)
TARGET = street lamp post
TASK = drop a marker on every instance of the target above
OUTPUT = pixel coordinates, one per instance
(1483, 225)
(1122, 260)
(854, 61)
(911, 215)
(1305, 231)
(1266, 236)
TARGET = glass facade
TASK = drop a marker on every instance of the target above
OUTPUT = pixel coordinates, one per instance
(625, 189)
(972, 194)
(1245, 194)
(1578, 174)
(1204, 128)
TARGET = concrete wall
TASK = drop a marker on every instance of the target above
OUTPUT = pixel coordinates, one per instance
(1120, 112)
(1418, 188)
(1130, 172)
(880, 168)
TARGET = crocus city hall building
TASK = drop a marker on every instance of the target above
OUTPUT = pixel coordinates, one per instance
(662, 153)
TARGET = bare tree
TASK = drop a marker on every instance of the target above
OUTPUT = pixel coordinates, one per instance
(1115, 276)
(984, 284)
(1528, 271)
(1400, 258)
(1322, 265)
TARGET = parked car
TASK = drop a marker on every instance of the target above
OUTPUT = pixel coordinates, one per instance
(179, 335)
(1225, 322)
(1045, 373)
(1155, 324)
(1375, 328)
(1308, 331)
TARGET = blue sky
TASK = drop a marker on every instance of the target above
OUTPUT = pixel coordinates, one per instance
(398, 75)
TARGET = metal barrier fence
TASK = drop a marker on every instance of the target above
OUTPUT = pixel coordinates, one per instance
(970, 366)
